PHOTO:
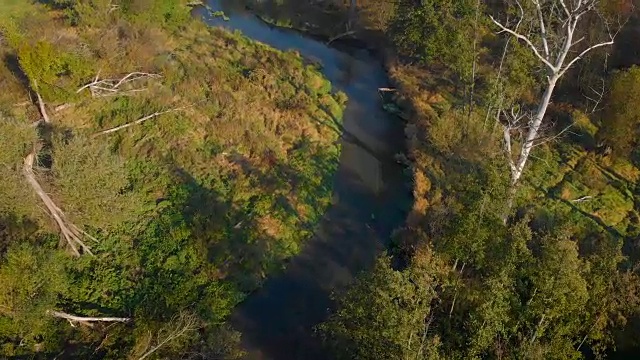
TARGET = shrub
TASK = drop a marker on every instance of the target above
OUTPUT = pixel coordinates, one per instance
(54, 73)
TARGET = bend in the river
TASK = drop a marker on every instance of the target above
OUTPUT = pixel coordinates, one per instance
(370, 191)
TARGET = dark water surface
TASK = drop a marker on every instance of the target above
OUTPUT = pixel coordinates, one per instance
(370, 191)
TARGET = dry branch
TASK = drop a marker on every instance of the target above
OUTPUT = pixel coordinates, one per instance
(71, 233)
(84, 320)
(41, 105)
(111, 87)
(139, 121)
(62, 107)
(179, 326)
(582, 199)
(347, 33)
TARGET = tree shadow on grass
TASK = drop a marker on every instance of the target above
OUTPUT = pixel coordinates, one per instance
(230, 235)
(15, 229)
(610, 229)
(279, 318)
(231, 225)
(11, 61)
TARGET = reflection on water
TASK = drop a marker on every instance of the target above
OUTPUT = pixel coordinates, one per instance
(371, 199)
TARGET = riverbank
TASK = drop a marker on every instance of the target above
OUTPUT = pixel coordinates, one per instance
(457, 158)
(370, 200)
(417, 88)
(436, 144)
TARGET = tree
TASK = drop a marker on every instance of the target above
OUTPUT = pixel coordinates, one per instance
(557, 28)
(518, 294)
(437, 30)
(387, 313)
(620, 126)
(32, 280)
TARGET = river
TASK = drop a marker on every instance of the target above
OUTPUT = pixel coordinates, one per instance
(371, 198)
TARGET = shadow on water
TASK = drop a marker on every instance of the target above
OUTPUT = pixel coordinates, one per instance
(371, 199)
(277, 321)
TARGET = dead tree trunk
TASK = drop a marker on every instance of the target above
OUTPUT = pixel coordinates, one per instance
(83, 319)
(71, 233)
(41, 105)
(552, 42)
(139, 121)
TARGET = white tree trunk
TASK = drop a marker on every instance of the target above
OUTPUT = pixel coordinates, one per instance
(63, 315)
(533, 131)
(552, 44)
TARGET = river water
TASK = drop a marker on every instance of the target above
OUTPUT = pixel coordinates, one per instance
(371, 199)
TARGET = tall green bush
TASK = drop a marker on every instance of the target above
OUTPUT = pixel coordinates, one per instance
(620, 124)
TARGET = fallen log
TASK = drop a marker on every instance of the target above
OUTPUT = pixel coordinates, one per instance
(71, 233)
(41, 105)
(347, 33)
(85, 320)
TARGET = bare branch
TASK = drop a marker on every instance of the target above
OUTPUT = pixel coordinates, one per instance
(543, 140)
(582, 199)
(565, 8)
(347, 33)
(543, 29)
(424, 335)
(41, 105)
(88, 86)
(110, 87)
(509, 152)
(527, 41)
(139, 121)
(582, 54)
(135, 76)
(185, 323)
(535, 334)
(599, 94)
(62, 107)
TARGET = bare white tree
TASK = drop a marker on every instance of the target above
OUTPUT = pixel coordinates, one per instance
(557, 44)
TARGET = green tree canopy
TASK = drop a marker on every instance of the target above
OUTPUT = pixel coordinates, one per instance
(620, 124)
(436, 30)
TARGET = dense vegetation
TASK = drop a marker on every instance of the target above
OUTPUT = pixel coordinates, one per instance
(173, 192)
(554, 278)
(192, 208)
